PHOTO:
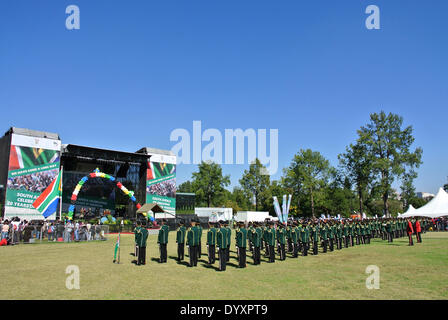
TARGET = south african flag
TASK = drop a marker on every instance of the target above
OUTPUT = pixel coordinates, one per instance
(26, 157)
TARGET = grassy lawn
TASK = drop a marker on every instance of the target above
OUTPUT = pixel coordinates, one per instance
(37, 271)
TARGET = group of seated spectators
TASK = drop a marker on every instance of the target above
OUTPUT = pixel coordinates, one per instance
(16, 231)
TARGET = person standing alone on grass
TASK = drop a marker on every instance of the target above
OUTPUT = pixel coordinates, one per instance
(162, 240)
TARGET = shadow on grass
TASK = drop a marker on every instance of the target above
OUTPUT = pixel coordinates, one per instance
(209, 266)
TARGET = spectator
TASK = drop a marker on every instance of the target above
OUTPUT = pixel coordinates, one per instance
(5, 230)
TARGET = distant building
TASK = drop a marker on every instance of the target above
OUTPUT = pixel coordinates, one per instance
(425, 195)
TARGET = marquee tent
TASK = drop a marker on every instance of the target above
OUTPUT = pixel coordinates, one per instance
(437, 207)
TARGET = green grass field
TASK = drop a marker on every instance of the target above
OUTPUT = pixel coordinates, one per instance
(37, 271)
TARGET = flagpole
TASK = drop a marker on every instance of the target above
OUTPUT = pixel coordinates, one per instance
(60, 196)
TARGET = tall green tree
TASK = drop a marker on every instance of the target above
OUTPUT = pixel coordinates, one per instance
(185, 187)
(357, 164)
(255, 184)
(389, 146)
(407, 189)
(308, 173)
(209, 183)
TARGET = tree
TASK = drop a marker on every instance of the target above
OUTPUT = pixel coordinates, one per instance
(185, 187)
(208, 183)
(358, 167)
(407, 189)
(389, 146)
(309, 172)
(255, 184)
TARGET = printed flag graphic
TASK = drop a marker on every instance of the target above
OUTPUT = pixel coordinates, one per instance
(25, 157)
(47, 202)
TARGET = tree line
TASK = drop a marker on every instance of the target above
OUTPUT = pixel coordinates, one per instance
(362, 181)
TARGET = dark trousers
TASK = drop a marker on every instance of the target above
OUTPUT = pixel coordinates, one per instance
(390, 237)
(339, 243)
(222, 253)
(228, 253)
(256, 255)
(331, 245)
(199, 250)
(352, 240)
(295, 250)
(193, 254)
(180, 251)
(211, 254)
(271, 253)
(163, 253)
(346, 241)
(282, 251)
(324, 245)
(419, 237)
(141, 251)
(305, 249)
(242, 257)
(290, 247)
(315, 248)
(411, 243)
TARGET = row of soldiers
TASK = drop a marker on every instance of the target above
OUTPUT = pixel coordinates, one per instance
(295, 237)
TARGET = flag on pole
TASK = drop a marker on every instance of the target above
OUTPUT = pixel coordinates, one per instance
(47, 202)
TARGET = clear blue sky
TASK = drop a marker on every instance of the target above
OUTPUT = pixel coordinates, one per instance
(136, 70)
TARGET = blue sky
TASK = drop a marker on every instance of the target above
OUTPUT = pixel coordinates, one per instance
(136, 70)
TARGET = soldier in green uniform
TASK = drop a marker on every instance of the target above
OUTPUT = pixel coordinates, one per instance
(281, 237)
(193, 243)
(331, 236)
(271, 241)
(324, 236)
(345, 234)
(241, 244)
(389, 231)
(180, 240)
(136, 235)
(295, 240)
(289, 237)
(249, 236)
(229, 239)
(199, 230)
(305, 239)
(223, 244)
(339, 233)
(162, 241)
(265, 238)
(299, 233)
(315, 237)
(141, 238)
(257, 234)
(211, 243)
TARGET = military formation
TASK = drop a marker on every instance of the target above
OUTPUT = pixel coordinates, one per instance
(277, 241)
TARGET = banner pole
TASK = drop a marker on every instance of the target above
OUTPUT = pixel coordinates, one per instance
(60, 195)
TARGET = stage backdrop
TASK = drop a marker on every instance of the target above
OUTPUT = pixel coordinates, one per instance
(161, 182)
(33, 164)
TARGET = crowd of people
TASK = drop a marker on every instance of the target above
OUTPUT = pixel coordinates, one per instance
(296, 237)
(36, 182)
(17, 231)
(165, 188)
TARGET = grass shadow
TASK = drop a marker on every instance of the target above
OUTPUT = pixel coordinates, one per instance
(209, 266)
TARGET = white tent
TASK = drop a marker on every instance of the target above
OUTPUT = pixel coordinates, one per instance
(252, 216)
(437, 207)
(408, 213)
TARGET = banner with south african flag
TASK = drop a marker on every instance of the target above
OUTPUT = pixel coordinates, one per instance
(33, 166)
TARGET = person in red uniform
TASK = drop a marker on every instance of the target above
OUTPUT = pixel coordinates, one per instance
(410, 231)
(418, 231)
